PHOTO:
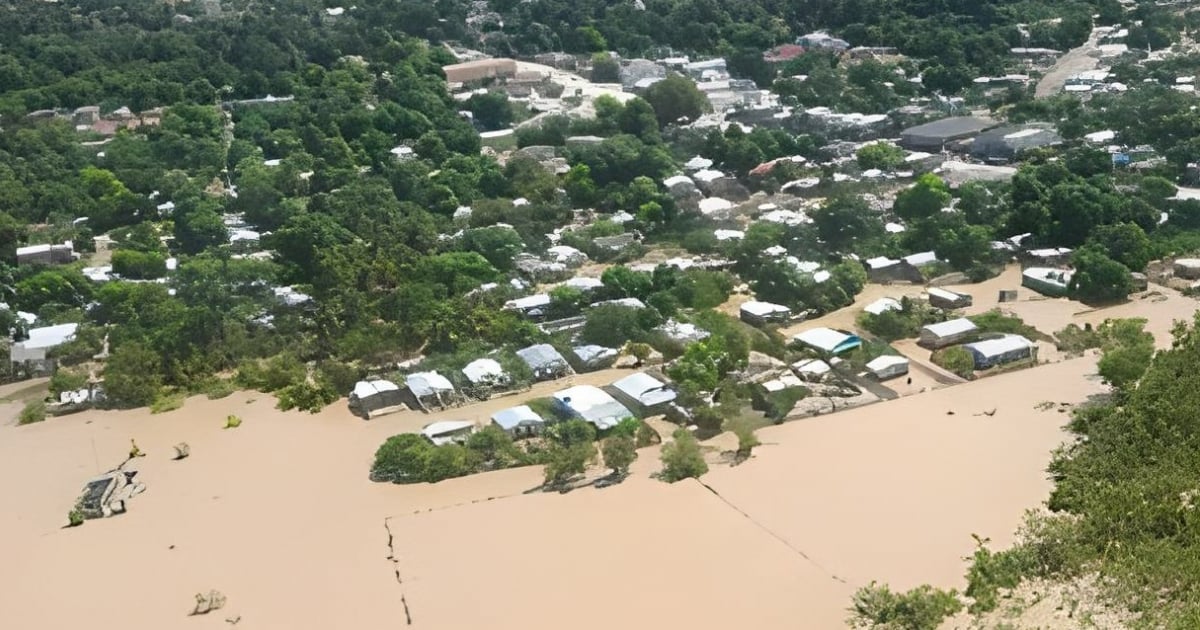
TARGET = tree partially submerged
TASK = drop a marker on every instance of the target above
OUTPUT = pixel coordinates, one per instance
(683, 458)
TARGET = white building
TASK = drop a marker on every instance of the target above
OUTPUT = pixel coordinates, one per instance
(828, 340)
(881, 305)
(755, 312)
(41, 341)
(1001, 350)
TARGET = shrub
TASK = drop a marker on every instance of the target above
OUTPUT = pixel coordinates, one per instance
(305, 396)
(232, 421)
(75, 517)
(33, 412)
(495, 448)
(746, 437)
(565, 462)
(682, 458)
(1074, 340)
(646, 436)
(619, 453)
(218, 388)
(446, 462)
(401, 459)
(67, 381)
(273, 374)
(991, 571)
(922, 608)
(167, 402)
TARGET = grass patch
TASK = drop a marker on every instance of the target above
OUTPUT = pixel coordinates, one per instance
(167, 402)
(994, 321)
(956, 359)
(34, 411)
(1074, 341)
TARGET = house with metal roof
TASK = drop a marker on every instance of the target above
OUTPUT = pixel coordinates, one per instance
(947, 333)
(759, 313)
(882, 305)
(828, 340)
(430, 389)
(445, 432)
(641, 392)
(545, 361)
(33, 350)
(520, 421)
(1047, 280)
(593, 405)
(1001, 350)
(947, 299)
(1004, 144)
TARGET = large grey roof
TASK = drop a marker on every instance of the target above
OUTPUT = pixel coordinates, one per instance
(948, 128)
(541, 356)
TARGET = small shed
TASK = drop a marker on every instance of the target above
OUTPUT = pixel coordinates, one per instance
(545, 361)
(888, 366)
(374, 398)
(532, 306)
(828, 340)
(643, 392)
(593, 357)
(759, 313)
(947, 299)
(1001, 350)
(519, 421)
(947, 333)
(445, 432)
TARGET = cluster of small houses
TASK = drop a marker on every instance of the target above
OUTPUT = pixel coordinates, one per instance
(638, 394)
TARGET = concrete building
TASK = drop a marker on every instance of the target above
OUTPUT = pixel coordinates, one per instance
(33, 350)
(947, 333)
(828, 340)
(888, 366)
(1001, 350)
(884, 270)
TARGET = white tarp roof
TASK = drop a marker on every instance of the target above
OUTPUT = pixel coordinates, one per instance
(815, 367)
(762, 309)
(945, 294)
(513, 417)
(528, 302)
(481, 370)
(645, 389)
(714, 204)
(881, 305)
(542, 355)
(439, 432)
(49, 336)
(366, 389)
(427, 383)
(952, 327)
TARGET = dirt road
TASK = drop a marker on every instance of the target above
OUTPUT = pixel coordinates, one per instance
(1081, 59)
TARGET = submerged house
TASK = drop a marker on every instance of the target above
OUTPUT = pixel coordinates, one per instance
(486, 373)
(947, 299)
(593, 405)
(430, 389)
(47, 254)
(1001, 350)
(374, 398)
(642, 392)
(519, 421)
(888, 366)
(545, 361)
(947, 333)
(445, 432)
